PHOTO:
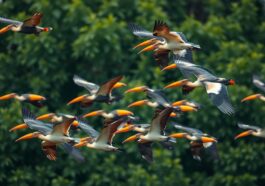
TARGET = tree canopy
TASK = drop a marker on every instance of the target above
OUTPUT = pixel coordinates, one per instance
(91, 39)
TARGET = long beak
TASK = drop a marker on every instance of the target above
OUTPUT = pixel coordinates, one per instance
(208, 139)
(131, 138)
(124, 112)
(119, 84)
(91, 114)
(149, 48)
(77, 99)
(251, 97)
(35, 97)
(178, 103)
(145, 43)
(186, 108)
(81, 144)
(138, 103)
(45, 116)
(8, 96)
(18, 127)
(125, 129)
(178, 135)
(243, 134)
(169, 67)
(177, 83)
(5, 29)
(26, 137)
(136, 89)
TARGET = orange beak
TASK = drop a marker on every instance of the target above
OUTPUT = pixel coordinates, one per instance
(177, 83)
(136, 89)
(138, 103)
(125, 129)
(94, 113)
(178, 103)
(124, 112)
(119, 84)
(208, 139)
(75, 123)
(8, 96)
(145, 43)
(185, 108)
(169, 67)
(45, 116)
(173, 115)
(178, 135)
(131, 138)
(5, 29)
(35, 97)
(81, 144)
(243, 134)
(251, 97)
(18, 127)
(148, 48)
(26, 137)
(78, 99)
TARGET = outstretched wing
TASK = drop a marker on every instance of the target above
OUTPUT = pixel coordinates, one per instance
(159, 122)
(248, 127)
(63, 128)
(146, 151)
(108, 131)
(33, 21)
(88, 129)
(49, 150)
(141, 32)
(187, 129)
(75, 153)
(106, 88)
(10, 21)
(219, 96)
(91, 87)
(258, 83)
(29, 119)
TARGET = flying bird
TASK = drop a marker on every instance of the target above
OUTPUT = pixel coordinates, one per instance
(96, 93)
(259, 84)
(216, 87)
(51, 117)
(201, 144)
(162, 41)
(33, 99)
(51, 135)
(103, 140)
(251, 130)
(28, 26)
(159, 100)
(156, 133)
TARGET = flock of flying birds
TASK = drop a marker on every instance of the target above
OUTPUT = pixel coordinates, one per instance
(166, 45)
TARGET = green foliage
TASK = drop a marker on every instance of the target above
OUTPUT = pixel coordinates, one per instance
(91, 39)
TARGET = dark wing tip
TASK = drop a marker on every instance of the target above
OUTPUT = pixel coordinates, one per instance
(27, 114)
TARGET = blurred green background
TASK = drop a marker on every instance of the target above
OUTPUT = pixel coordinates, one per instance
(91, 39)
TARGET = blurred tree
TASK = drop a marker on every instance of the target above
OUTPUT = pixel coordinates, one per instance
(91, 39)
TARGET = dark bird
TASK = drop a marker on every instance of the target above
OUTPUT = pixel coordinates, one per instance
(29, 26)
